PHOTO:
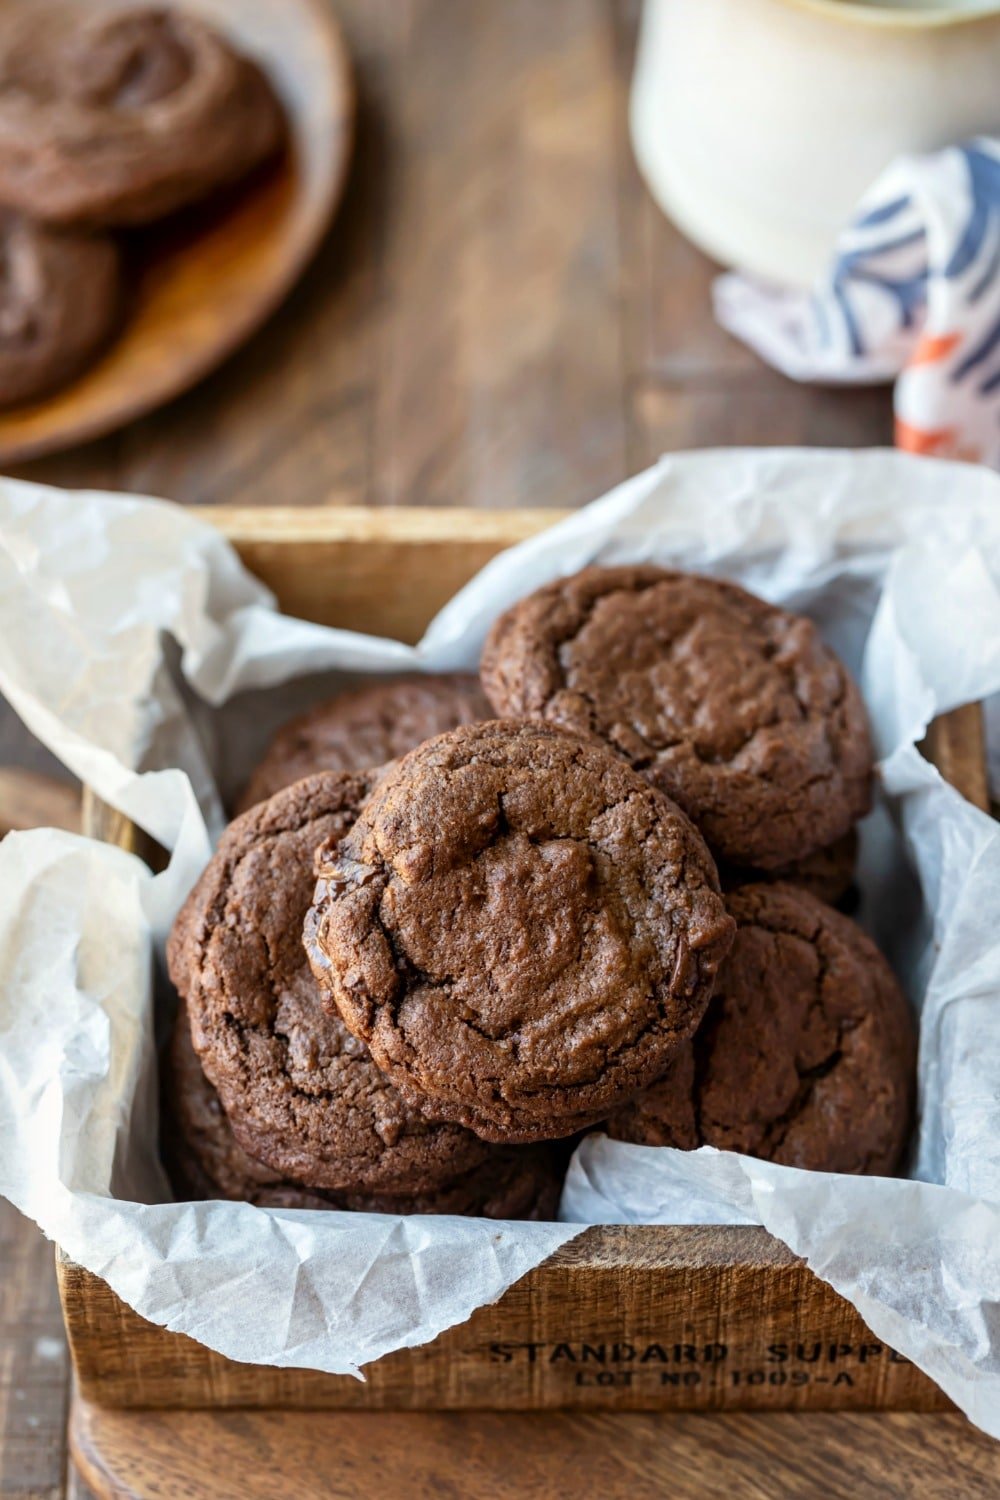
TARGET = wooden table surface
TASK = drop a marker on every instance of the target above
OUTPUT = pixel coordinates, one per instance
(500, 318)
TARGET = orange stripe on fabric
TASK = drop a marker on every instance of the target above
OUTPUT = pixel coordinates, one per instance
(918, 440)
(931, 348)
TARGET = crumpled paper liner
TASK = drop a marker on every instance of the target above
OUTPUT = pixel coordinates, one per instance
(134, 645)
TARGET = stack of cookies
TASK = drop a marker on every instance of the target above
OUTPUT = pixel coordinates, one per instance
(110, 118)
(456, 926)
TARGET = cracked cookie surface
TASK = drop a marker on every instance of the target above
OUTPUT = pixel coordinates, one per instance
(520, 927)
(733, 707)
(366, 726)
(827, 874)
(117, 118)
(301, 1093)
(205, 1160)
(60, 301)
(806, 1054)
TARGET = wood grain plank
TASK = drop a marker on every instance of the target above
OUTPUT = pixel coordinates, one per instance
(758, 407)
(500, 377)
(186, 1456)
(92, 466)
(18, 746)
(77, 1487)
(956, 743)
(638, 1317)
(34, 1365)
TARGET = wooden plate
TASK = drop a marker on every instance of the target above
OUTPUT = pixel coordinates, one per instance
(201, 285)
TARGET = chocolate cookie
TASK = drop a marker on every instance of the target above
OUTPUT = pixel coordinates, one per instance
(302, 1094)
(806, 1054)
(59, 304)
(828, 874)
(366, 726)
(120, 117)
(205, 1160)
(732, 707)
(520, 927)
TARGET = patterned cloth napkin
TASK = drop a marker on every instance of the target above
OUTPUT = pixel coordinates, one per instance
(912, 295)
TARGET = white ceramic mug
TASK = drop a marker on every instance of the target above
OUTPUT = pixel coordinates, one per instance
(758, 124)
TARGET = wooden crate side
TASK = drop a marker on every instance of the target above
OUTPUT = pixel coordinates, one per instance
(956, 743)
(628, 1318)
(384, 572)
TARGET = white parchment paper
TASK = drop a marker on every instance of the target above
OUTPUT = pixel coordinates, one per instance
(136, 647)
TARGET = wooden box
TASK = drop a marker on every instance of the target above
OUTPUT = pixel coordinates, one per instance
(627, 1317)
